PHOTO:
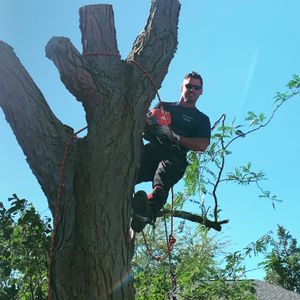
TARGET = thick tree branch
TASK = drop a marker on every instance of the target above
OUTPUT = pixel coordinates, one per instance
(91, 256)
(39, 133)
(98, 30)
(154, 48)
(89, 76)
(195, 218)
(73, 72)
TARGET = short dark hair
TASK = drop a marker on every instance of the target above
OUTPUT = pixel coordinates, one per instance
(195, 75)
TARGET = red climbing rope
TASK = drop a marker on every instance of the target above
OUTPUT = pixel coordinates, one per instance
(149, 77)
(155, 89)
(57, 206)
(170, 239)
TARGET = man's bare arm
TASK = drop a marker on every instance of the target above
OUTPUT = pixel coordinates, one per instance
(195, 144)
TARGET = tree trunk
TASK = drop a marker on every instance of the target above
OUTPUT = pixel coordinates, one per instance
(89, 182)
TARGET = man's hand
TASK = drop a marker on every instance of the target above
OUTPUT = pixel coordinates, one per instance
(165, 133)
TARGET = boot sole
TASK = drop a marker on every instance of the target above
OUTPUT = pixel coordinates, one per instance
(140, 210)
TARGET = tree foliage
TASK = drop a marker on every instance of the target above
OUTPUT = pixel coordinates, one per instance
(199, 264)
(282, 263)
(201, 269)
(24, 247)
(196, 260)
(198, 272)
(207, 171)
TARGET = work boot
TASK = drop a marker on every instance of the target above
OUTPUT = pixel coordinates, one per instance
(141, 216)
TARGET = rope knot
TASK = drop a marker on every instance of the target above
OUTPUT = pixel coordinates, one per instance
(172, 241)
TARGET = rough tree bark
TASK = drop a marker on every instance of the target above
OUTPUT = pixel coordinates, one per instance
(91, 258)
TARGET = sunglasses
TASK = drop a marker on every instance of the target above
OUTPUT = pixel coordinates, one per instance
(195, 87)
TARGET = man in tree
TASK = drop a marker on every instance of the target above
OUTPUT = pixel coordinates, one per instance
(172, 129)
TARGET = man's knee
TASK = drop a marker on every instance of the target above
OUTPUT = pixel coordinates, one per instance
(169, 172)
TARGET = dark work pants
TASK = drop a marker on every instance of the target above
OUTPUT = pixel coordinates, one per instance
(163, 166)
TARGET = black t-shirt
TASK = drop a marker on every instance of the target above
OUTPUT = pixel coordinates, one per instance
(188, 122)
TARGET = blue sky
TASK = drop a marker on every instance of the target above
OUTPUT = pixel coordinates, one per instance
(246, 51)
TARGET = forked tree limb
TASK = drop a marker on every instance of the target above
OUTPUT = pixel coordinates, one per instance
(40, 134)
(159, 35)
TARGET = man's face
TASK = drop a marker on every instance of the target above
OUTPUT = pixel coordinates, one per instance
(191, 89)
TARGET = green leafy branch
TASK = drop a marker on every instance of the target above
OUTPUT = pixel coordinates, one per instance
(24, 244)
(206, 170)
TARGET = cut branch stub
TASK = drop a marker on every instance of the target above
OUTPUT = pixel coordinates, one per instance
(70, 64)
(98, 30)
